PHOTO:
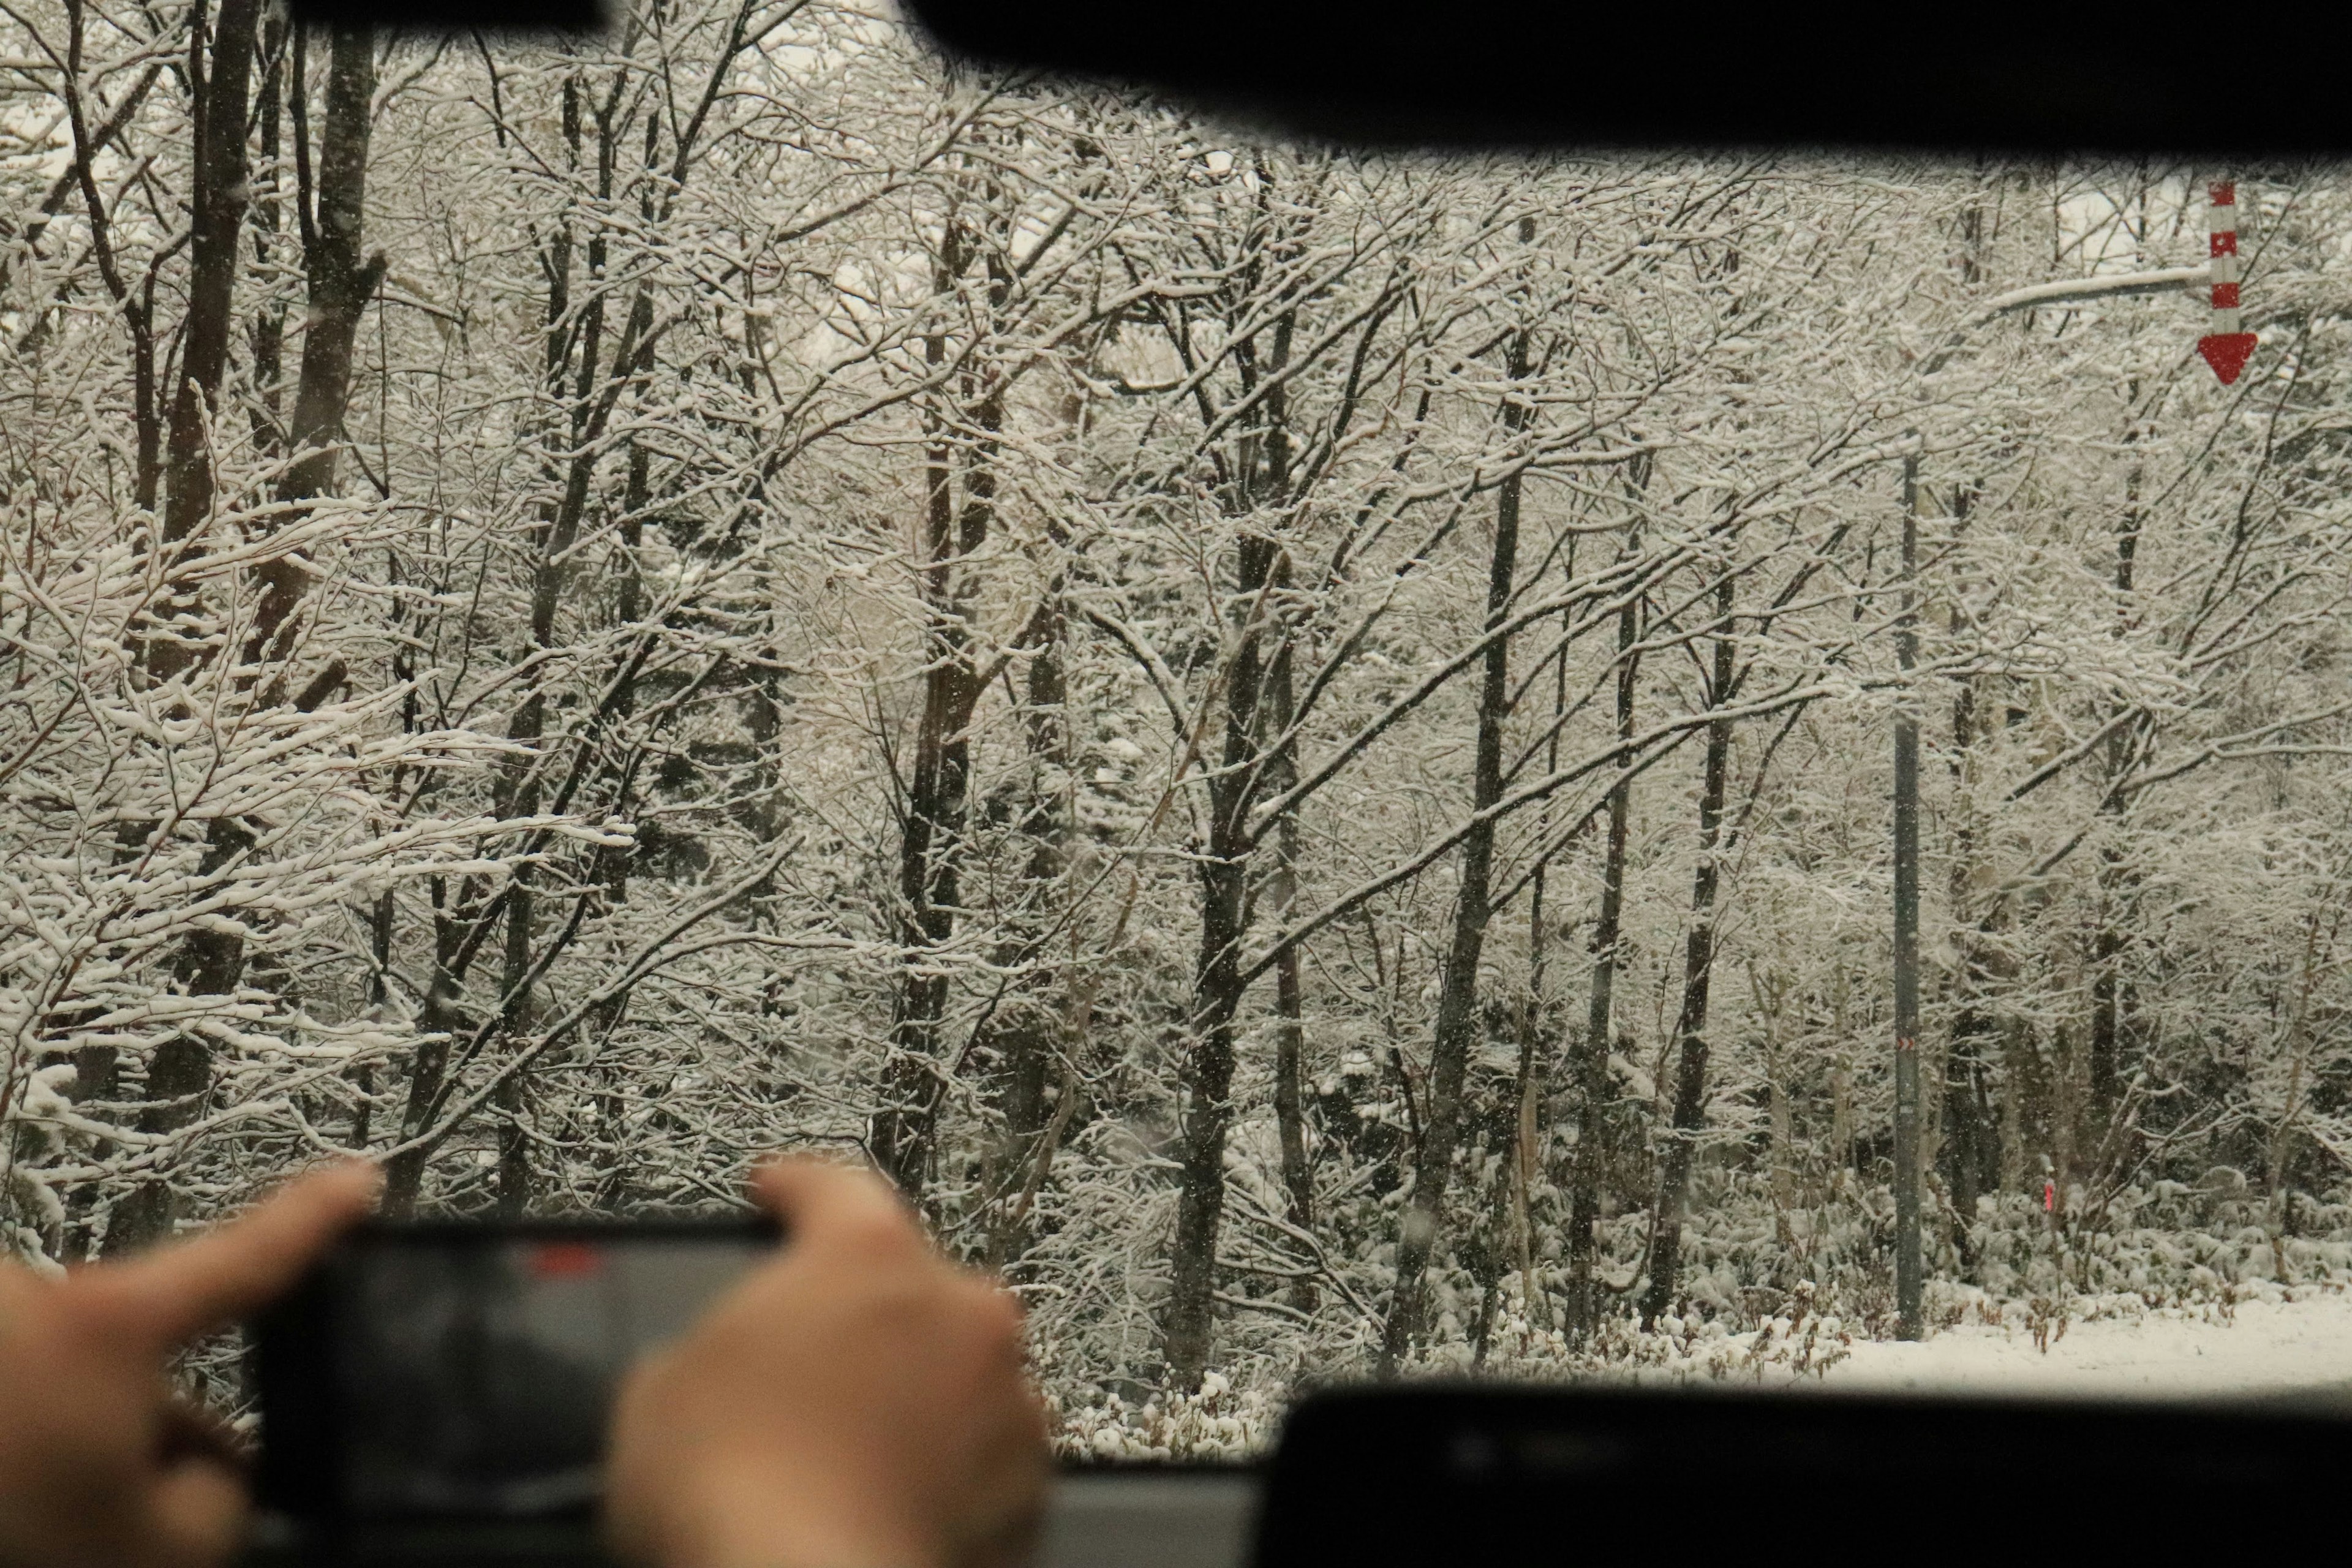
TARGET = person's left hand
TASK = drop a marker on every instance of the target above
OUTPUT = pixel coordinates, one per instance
(100, 1463)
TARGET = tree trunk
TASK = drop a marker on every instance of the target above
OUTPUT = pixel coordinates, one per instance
(587, 368)
(218, 216)
(1423, 1219)
(341, 285)
(1207, 1075)
(1591, 1065)
(1032, 1042)
(1963, 1068)
(1970, 1144)
(2107, 944)
(437, 1020)
(1290, 1029)
(213, 963)
(1972, 1148)
(179, 1071)
(1908, 1282)
(1681, 1143)
(514, 1141)
(179, 1074)
(1538, 1034)
(902, 1132)
(269, 224)
(1209, 1069)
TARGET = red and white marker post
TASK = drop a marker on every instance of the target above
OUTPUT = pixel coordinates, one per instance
(2225, 348)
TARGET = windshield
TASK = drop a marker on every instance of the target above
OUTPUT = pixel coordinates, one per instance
(1690, 767)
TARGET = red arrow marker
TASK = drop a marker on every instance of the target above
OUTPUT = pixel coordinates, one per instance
(2225, 348)
(2227, 353)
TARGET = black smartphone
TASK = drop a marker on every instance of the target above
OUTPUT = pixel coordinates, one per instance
(437, 1375)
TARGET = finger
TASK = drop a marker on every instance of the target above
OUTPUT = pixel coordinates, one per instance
(18, 1285)
(199, 1509)
(191, 1431)
(189, 1287)
(819, 1201)
(1010, 1543)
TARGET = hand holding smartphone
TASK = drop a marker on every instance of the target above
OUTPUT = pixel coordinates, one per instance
(451, 1371)
(690, 1393)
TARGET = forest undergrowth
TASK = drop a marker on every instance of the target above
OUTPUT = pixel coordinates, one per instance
(2174, 1252)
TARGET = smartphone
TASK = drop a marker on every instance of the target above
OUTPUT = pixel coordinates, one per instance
(461, 1373)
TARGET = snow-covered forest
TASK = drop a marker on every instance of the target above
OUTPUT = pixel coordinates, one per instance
(1301, 746)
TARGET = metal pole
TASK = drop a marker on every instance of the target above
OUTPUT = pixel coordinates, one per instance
(1907, 931)
(1908, 1278)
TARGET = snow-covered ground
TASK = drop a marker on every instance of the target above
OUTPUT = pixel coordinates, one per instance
(2259, 1347)
(2258, 1341)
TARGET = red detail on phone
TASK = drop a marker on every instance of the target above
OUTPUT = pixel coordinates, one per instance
(565, 1260)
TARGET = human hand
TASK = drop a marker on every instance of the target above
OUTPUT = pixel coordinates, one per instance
(99, 1462)
(858, 1403)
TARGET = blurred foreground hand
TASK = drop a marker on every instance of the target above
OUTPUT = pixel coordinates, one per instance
(858, 1403)
(100, 1466)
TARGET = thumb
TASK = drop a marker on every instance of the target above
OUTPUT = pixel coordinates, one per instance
(199, 1509)
(820, 1201)
(186, 1288)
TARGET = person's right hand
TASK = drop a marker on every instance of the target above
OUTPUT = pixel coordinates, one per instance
(858, 1403)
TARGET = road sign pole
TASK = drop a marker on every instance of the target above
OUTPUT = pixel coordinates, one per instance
(2227, 347)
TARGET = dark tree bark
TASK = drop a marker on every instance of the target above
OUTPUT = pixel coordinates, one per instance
(2108, 999)
(902, 1132)
(341, 285)
(213, 963)
(1457, 1006)
(380, 924)
(588, 368)
(437, 1020)
(1907, 1278)
(1290, 1029)
(137, 303)
(1031, 1042)
(1538, 1028)
(1591, 1065)
(1971, 1137)
(590, 365)
(218, 217)
(1967, 1122)
(1971, 1154)
(269, 330)
(179, 1076)
(514, 1137)
(179, 1071)
(1536, 1043)
(1207, 1073)
(1680, 1145)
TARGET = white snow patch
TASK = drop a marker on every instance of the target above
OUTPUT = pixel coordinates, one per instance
(2259, 1347)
